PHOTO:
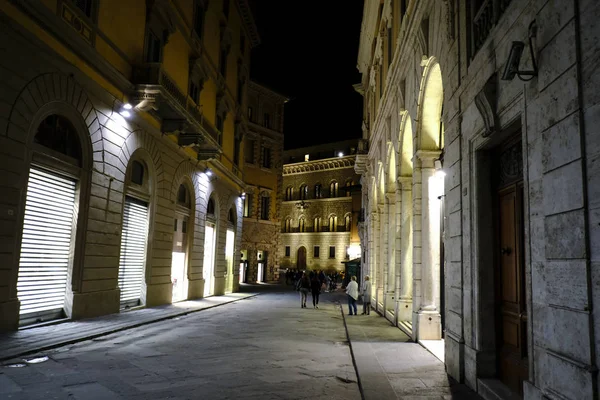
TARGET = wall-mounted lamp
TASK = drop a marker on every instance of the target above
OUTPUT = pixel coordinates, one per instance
(125, 110)
(243, 195)
(208, 172)
(514, 58)
(439, 172)
(340, 154)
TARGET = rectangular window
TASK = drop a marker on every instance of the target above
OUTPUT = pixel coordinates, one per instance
(240, 91)
(199, 19)
(249, 151)
(264, 208)
(236, 151)
(248, 205)
(223, 63)
(226, 8)
(316, 252)
(242, 43)
(266, 157)
(85, 6)
(250, 114)
(267, 120)
(287, 251)
(194, 92)
(331, 251)
(153, 47)
(219, 126)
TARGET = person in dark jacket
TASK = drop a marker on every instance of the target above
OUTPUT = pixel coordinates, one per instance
(315, 288)
(304, 284)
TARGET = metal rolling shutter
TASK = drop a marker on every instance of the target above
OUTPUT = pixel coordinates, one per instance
(133, 250)
(46, 244)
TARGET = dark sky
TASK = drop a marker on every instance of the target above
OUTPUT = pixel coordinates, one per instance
(308, 52)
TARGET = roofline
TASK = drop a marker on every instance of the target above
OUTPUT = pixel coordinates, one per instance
(249, 22)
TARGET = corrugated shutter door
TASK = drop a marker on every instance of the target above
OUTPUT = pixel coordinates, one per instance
(133, 250)
(46, 244)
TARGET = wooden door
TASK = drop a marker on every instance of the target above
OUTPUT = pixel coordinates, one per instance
(301, 258)
(510, 290)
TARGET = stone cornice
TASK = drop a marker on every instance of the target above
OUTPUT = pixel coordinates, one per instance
(261, 89)
(328, 199)
(248, 20)
(319, 165)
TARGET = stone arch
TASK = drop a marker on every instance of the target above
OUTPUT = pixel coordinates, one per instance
(431, 100)
(391, 169)
(140, 139)
(185, 172)
(405, 145)
(55, 93)
(381, 184)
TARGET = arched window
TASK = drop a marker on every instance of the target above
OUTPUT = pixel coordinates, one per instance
(333, 223)
(231, 216)
(287, 228)
(50, 222)
(289, 193)
(303, 192)
(348, 223)
(58, 134)
(265, 206)
(210, 208)
(349, 184)
(318, 191)
(183, 196)
(301, 225)
(333, 189)
(317, 224)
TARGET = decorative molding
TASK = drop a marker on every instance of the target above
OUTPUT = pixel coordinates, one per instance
(319, 165)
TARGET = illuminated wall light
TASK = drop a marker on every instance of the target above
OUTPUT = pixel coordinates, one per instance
(125, 113)
(127, 106)
(340, 154)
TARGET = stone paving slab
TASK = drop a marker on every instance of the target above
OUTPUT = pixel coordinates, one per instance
(35, 339)
(265, 347)
(390, 366)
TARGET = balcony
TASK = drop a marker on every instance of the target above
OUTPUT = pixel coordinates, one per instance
(157, 93)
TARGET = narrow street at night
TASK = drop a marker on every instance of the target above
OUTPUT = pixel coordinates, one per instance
(262, 346)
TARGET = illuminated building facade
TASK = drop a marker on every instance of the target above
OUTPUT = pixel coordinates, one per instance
(320, 208)
(120, 153)
(480, 187)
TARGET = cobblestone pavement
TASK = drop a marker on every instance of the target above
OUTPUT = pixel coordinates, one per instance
(263, 347)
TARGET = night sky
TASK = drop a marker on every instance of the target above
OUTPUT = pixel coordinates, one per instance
(309, 52)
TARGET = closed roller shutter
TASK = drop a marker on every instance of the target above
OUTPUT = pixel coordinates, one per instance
(46, 246)
(133, 251)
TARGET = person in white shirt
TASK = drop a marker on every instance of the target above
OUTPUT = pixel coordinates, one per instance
(366, 292)
(352, 292)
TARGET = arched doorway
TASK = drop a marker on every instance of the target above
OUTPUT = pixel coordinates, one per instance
(134, 235)
(301, 261)
(229, 248)
(210, 235)
(50, 220)
(181, 230)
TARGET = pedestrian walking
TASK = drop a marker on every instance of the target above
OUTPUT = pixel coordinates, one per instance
(304, 286)
(352, 292)
(315, 288)
(366, 293)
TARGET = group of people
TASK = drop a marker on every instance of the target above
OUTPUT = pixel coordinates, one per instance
(352, 291)
(313, 282)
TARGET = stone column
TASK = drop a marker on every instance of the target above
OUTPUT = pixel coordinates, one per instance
(382, 256)
(373, 240)
(406, 259)
(390, 287)
(429, 318)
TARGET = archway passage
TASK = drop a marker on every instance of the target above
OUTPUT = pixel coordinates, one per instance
(301, 262)
(48, 226)
(181, 228)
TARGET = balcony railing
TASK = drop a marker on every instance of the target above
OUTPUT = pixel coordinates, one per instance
(484, 20)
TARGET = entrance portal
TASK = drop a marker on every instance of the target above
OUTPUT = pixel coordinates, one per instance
(511, 307)
(301, 263)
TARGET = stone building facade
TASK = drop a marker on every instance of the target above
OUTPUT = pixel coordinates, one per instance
(120, 139)
(479, 186)
(263, 146)
(320, 209)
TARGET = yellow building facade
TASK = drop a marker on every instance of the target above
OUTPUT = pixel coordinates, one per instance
(121, 139)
